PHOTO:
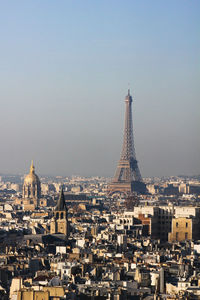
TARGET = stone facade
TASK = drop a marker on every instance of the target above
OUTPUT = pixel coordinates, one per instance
(184, 229)
(59, 222)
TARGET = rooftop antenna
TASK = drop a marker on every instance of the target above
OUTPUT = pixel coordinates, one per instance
(128, 88)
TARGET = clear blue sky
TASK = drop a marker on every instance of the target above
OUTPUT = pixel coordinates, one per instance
(64, 72)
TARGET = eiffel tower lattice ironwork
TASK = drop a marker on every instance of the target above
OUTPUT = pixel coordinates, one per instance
(127, 177)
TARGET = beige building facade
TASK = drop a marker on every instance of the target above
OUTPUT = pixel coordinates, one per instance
(48, 293)
(184, 229)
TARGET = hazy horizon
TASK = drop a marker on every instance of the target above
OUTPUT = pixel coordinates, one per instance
(23, 174)
(65, 70)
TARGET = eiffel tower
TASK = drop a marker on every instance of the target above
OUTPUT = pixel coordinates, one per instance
(127, 178)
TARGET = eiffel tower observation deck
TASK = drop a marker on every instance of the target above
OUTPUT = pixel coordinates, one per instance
(127, 178)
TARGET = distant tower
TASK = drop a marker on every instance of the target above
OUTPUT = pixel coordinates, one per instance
(127, 177)
(59, 223)
(31, 186)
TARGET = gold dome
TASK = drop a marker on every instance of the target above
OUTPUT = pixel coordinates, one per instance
(31, 178)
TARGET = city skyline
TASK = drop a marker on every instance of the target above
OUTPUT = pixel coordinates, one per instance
(65, 70)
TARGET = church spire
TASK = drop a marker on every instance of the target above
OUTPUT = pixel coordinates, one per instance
(59, 222)
(61, 206)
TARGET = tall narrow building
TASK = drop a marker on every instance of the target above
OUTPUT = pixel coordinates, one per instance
(127, 177)
(59, 222)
